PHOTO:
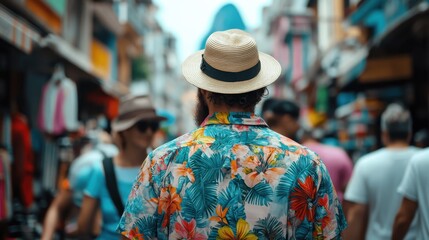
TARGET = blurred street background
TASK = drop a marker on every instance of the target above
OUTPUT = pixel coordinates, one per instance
(343, 62)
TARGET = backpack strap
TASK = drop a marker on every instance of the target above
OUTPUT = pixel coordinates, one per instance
(112, 186)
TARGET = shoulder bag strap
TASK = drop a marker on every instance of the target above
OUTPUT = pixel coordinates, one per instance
(112, 186)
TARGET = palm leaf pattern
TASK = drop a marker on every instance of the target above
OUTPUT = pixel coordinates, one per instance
(269, 228)
(235, 175)
(208, 169)
(261, 194)
(148, 226)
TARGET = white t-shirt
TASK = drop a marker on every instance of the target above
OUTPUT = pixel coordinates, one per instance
(415, 186)
(374, 182)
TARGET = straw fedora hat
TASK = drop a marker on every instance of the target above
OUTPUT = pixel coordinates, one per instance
(230, 64)
(133, 109)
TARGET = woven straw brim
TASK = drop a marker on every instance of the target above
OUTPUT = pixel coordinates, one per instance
(270, 72)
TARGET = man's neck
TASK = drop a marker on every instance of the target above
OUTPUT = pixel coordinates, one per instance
(397, 145)
(225, 108)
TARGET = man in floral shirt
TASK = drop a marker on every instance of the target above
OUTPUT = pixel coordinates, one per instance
(232, 178)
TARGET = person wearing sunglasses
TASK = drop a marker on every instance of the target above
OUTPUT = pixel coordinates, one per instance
(133, 131)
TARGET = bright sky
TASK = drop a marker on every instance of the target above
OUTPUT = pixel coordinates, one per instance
(190, 20)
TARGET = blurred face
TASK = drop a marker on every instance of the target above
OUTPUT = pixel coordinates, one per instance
(289, 126)
(141, 134)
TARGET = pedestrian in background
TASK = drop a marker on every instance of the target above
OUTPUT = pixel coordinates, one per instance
(111, 180)
(338, 163)
(66, 205)
(415, 198)
(371, 194)
(282, 116)
(233, 177)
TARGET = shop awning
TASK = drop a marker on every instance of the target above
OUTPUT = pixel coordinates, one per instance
(82, 62)
(67, 51)
(17, 32)
(351, 65)
(401, 35)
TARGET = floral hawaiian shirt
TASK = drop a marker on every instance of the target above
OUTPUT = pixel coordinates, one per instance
(233, 178)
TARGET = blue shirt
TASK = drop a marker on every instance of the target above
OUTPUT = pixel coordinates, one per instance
(97, 188)
(233, 178)
(81, 168)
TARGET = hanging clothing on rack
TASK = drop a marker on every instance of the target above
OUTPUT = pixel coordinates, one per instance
(5, 131)
(23, 163)
(58, 106)
(5, 186)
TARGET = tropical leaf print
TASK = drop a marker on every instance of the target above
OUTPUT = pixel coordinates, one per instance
(204, 197)
(231, 195)
(148, 226)
(261, 194)
(302, 167)
(269, 228)
(304, 231)
(208, 169)
(233, 178)
(190, 212)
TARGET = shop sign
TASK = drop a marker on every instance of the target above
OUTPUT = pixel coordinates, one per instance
(16, 32)
(101, 59)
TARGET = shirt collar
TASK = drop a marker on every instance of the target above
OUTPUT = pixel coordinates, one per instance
(234, 118)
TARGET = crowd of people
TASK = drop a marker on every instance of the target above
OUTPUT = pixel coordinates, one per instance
(240, 175)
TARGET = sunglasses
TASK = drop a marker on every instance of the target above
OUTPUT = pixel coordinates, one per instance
(142, 126)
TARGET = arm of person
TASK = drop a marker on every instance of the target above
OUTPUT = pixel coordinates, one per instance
(403, 218)
(357, 218)
(356, 202)
(408, 189)
(87, 216)
(55, 213)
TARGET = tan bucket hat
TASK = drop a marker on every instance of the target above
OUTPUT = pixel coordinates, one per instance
(133, 109)
(230, 64)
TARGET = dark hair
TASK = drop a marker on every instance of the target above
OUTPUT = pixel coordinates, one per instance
(268, 105)
(397, 131)
(288, 107)
(246, 101)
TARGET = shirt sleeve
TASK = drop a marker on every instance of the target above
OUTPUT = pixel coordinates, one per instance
(96, 178)
(140, 218)
(315, 211)
(408, 187)
(356, 189)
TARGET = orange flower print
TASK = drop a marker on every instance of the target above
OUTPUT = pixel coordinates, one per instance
(234, 168)
(168, 202)
(221, 215)
(273, 174)
(187, 230)
(251, 162)
(303, 198)
(145, 174)
(243, 229)
(240, 151)
(183, 171)
(253, 178)
(134, 234)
